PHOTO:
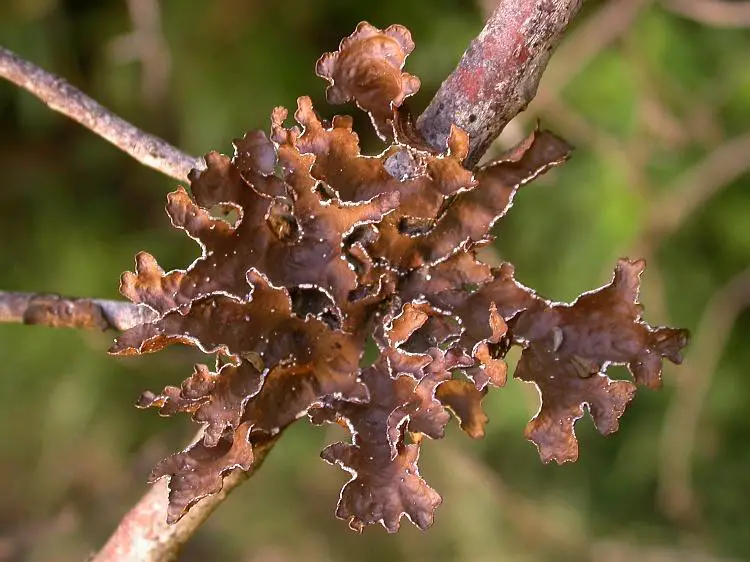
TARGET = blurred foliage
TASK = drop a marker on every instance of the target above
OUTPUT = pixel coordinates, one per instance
(648, 97)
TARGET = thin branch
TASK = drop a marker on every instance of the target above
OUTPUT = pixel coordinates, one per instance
(143, 533)
(715, 13)
(534, 523)
(697, 185)
(146, 43)
(62, 312)
(498, 74)
(529, 520)
(60, 96)
(606, 23)
(679, 433)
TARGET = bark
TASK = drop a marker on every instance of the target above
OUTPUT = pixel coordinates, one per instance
(61, 312)
(498, 74)
(143, 534)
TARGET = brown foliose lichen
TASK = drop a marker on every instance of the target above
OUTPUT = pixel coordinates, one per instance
(331, 248)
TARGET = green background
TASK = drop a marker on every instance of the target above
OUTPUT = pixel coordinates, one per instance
(658, 106)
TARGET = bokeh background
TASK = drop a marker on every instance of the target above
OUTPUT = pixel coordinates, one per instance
(656, 97)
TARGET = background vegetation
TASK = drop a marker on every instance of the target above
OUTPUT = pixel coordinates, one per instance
(658, 105)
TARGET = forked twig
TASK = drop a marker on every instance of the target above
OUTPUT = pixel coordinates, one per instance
(146, 43)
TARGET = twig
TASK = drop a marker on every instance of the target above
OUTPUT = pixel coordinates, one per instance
(498, 74)
(143, 533)
(712, 12)
(696, 186)
(530, 521)
(62, 312)
(605, 25)
(60, 96)
(146, 43)
(678, 436)
(581, 131)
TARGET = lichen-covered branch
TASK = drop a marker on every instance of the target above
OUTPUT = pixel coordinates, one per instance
(495, 80)
(62, 312)
(498, 74)
(144, 535)
(149, 150)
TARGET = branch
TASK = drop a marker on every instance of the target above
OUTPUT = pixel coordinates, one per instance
(682, 423)
(698, 184)
(715, 13)
(146, 43)
(60, 96)
(143, 533)
(498, 74)
(62, 312)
